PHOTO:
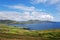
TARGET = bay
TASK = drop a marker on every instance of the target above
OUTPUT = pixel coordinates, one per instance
(39, 26)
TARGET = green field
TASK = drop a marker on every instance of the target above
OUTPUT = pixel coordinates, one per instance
(19, 33)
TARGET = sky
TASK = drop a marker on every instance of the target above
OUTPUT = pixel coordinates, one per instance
(23, 10)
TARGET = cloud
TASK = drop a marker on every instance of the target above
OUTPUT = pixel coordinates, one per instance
(48, 4)
(29, 13)
(41, 16)
(21, 7)
(25, 16)
(38, 1)
(53, 1)
(45, 1)
(9, 15)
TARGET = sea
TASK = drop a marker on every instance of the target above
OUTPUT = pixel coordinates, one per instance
(39, 26)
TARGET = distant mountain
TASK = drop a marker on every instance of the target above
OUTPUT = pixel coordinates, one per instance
(8, 22)
(24, 22)
(35, 21)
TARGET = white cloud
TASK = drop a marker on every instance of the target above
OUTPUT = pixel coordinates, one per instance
(42, 16)
(45, 1)
(9, 15)
(53, 1)
(38, 1)
(24, 8)
(21, 7)
(48, 3)
(26, 16)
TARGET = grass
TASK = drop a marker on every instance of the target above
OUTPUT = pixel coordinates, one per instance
(17, 33)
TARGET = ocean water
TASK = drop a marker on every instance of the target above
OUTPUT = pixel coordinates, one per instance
(39, 26)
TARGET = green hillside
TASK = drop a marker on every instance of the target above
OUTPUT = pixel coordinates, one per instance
(16, 33)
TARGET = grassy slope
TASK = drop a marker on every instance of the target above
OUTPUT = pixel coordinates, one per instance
(15, 33)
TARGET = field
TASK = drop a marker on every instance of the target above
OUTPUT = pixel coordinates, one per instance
(19, 33)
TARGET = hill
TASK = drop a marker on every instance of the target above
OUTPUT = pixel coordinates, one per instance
(8, 22)
(24, 22)
(35, 21)
(16, 33)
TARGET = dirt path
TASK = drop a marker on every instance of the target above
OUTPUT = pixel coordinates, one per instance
(22, 38)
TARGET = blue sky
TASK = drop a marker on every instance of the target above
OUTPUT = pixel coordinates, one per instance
(21, 10)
